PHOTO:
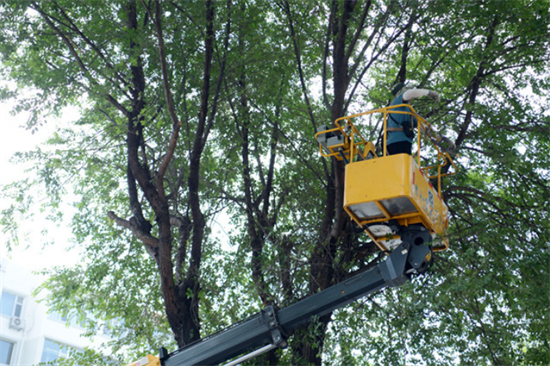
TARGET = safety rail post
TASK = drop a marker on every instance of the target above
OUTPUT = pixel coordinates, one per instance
(419, 140)
(352, 140)
(439, 173)
(385, 140)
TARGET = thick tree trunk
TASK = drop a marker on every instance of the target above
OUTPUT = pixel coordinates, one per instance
(181, 311)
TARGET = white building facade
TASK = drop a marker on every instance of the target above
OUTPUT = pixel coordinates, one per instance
(28, 334)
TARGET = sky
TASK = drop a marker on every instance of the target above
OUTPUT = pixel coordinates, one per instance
(31, 252)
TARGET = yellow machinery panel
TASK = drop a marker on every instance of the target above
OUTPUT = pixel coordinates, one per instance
(393, 188)
(148, 360)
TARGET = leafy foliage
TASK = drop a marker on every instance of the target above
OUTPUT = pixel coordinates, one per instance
(196, 111)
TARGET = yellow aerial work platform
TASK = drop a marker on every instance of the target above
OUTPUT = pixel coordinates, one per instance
(382, 191)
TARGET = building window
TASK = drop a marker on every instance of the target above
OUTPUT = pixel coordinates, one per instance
(71, 320)
(53, 350)
(10, 304)
(6, 350)
(54, 315)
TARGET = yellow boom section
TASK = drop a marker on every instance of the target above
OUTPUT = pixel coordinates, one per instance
(390, 188)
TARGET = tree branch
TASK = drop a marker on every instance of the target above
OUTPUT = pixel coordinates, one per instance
(176, 124)
(132, 225)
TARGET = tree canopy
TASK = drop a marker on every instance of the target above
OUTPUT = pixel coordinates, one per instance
(198, 111)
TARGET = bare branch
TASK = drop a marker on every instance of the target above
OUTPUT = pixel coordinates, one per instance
(134, 228)
(169, 102)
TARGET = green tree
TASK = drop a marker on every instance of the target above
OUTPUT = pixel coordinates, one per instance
(193, 108)
(119, 58)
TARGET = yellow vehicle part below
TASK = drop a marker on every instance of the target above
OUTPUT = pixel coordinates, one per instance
(148, 360)
(393, 188)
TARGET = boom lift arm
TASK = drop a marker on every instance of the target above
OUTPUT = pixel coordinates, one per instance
(270, 329)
